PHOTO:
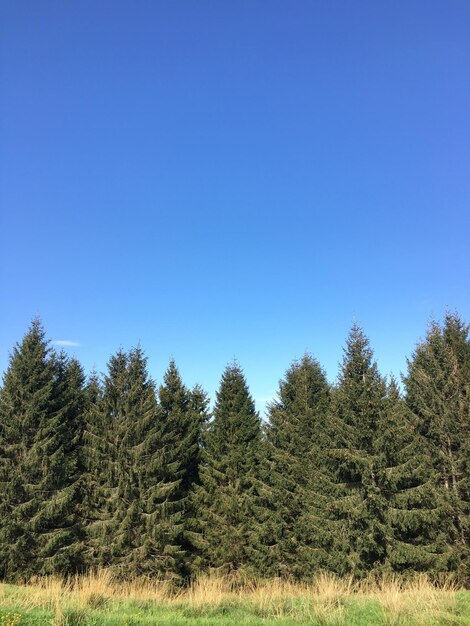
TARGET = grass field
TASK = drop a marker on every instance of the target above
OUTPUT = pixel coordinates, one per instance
(98, 600)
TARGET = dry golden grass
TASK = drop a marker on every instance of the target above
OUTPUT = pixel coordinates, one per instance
(325, 600)
(415, 600)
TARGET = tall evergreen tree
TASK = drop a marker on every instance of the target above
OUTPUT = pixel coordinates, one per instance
(230, 496)
(199, 415)
(438, 394)
(136, 415)
(40, 404)
(358, 510)
(297, 439)
(102, 440)
(119, 423)
(415, 513)
(175, 462)
(95, 472)
(142, 462)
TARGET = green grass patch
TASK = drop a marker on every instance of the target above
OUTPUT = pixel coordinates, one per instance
(326, 602)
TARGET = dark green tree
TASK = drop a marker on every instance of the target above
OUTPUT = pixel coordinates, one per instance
(231, 496)
(120, 420)
(297, 438)
(415, 513)
(142, 463)
(199, 415)
(172, 473)
(357, 510)
(438, 394)
(40, 413)
(95, 472)
(101, 449)
(134, 420)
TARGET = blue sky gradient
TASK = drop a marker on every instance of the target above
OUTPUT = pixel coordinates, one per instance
(233, 179)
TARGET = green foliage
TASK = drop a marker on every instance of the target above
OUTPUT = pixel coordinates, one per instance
(119, 418)
(40, 411)
(354, 479)
(142, 459)
(297, 438)
(198, 417)
(438, 394)
(230, 499)
(415, 514)
(172, 471)
(357, 506)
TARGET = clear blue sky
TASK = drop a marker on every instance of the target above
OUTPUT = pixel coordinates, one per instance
(233, 178)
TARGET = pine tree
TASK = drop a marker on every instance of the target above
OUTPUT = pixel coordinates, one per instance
(135, 420)
(40, 407)
(296, 436)
(102, 442)
(231, 492)
(119, 423)
(95, 472)
(358, 509)
(438, 394)
(415, 514)
(61, 542)
(172, 473)
(199, 417)
(142, 462)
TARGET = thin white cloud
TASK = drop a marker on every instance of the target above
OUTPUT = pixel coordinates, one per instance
(65, 343)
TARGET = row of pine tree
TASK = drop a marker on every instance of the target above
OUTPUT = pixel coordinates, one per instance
(353, 478)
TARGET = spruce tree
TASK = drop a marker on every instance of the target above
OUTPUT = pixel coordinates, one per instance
(40, 406)
(102, 442)
(95, 472)
(142, 462)
(172, 473)
(199, 417)
(230, 496)
(438, 394)
(296, 436)
(415, 512)
(135, 421)
(120, 422)
(61, 542)
(358, 510)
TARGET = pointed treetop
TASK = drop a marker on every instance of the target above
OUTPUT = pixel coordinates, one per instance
(394, 389)
(233, 394)
(173, 394)
(358, 355)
